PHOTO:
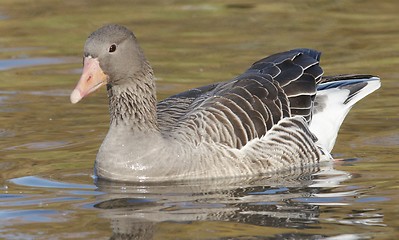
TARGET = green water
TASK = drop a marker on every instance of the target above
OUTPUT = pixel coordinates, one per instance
(48, 146)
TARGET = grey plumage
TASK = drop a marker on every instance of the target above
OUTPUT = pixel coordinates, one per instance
(276, 87)
(261, 121)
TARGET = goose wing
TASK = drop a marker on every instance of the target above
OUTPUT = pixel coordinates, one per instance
(234, 112)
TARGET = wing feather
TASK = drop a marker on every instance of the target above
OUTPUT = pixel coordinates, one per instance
(247, 107)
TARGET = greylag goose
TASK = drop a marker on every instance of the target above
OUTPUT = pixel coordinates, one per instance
(278, 115)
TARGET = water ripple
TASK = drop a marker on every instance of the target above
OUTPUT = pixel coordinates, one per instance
(33, 181)
(37, 215)
(6, 64)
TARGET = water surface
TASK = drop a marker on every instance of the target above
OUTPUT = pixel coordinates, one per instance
(48, 146)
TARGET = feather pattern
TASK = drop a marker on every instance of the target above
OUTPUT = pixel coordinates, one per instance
(276, 87)
(280, 114)
(335, 96)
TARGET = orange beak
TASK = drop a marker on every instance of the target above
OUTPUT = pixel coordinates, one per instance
(92, 78)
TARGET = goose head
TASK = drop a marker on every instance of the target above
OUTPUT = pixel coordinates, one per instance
(111, 57)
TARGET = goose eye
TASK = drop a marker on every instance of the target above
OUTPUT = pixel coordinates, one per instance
(112, 48)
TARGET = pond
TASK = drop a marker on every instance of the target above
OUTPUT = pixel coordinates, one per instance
(48, 146)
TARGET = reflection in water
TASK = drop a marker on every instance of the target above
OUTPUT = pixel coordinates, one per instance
(32, 181)
(41, 134)
(20, 63)
(290, 200)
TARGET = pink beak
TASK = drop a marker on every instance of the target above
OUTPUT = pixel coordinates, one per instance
(92, 78)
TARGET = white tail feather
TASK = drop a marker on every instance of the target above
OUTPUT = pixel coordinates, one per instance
(334, 101)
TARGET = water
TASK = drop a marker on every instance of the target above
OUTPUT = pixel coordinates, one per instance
(48, 146)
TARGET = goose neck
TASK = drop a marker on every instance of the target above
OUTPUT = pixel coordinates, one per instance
(133, 104)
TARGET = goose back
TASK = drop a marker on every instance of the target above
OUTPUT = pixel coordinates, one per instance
(235, 112)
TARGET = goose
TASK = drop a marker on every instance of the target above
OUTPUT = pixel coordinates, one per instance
(280, 114)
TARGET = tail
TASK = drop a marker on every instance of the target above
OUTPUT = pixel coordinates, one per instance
(334, 98)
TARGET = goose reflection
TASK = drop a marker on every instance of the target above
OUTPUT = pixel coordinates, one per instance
(283, 200)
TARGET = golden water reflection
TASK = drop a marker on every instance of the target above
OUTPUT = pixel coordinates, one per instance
(44, 137)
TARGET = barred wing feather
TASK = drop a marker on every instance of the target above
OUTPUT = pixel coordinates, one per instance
(235, 112)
